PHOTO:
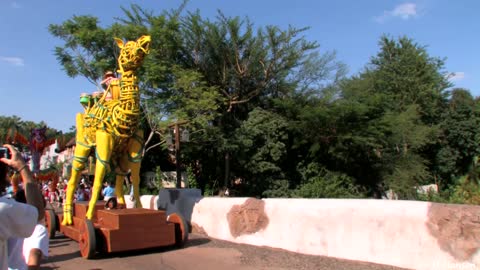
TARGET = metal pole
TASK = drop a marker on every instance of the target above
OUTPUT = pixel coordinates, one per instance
(177, 156)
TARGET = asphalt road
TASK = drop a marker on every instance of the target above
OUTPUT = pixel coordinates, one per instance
(199, 253)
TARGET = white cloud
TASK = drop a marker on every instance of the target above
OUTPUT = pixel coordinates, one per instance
(404, 11)
(456, 76)
(16, 61)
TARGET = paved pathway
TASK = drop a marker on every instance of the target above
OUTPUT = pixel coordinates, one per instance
(199, 253)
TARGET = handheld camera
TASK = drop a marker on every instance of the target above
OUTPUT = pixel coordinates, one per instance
(4, 152)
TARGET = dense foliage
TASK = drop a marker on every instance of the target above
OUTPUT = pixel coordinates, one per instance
(271, 115)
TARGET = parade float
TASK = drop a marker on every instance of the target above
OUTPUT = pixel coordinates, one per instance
(109, 127)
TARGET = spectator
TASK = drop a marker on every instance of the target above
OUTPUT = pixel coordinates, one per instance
(129, 184)
(88, 191)
(132, 197)
(108, 191)
(82, 195)
(10, 191)
(61, 194)
(45, 191)
(17, 220)
(35, 247)
(52, 194)
(65, 186)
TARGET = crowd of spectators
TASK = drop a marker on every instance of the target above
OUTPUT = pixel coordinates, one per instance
(24, 238)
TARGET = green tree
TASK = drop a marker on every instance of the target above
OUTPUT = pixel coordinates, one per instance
(318, 182)
(467, 187)
(88, 51)
(261, 149)
(413, 87)
(248, 67)
(460, 129)
(407, 74)
(7, 123)
(379, 127)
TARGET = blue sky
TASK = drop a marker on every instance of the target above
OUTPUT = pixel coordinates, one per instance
(34, 87)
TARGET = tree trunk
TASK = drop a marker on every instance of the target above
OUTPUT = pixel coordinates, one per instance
(227, 169)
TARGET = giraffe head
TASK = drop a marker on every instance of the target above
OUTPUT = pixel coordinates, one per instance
(132, 53)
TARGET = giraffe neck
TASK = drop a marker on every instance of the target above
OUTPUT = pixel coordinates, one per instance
(129, 89)
(126, 115)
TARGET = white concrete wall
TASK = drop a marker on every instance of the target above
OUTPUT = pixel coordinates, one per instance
(145, 200)
(386, 232)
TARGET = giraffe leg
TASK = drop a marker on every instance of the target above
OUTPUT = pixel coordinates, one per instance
(103, 151)
(119, 188)
(133, 161)
(80, 157)
(135, 169)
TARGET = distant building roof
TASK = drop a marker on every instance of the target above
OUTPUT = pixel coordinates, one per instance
(70, 143)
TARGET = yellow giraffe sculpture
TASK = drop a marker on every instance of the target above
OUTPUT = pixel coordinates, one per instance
(111, 128)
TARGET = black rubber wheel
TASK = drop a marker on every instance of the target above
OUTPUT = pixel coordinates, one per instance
(51, 223)
(87, 241)
(181, 228)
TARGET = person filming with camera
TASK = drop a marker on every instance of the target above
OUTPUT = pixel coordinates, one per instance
(17, 220)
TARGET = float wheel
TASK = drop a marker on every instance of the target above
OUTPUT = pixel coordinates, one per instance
(87, 241)
(51, 223)
(181, 228)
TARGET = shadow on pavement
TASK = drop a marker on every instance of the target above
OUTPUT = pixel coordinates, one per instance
(62, 257)
(58, 245)
(59, 239)
(197, 241)
(194, 240)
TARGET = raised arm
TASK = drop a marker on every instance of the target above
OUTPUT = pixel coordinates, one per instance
(32, 191)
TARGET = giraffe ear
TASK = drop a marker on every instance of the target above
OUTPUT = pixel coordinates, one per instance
(119, 42)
